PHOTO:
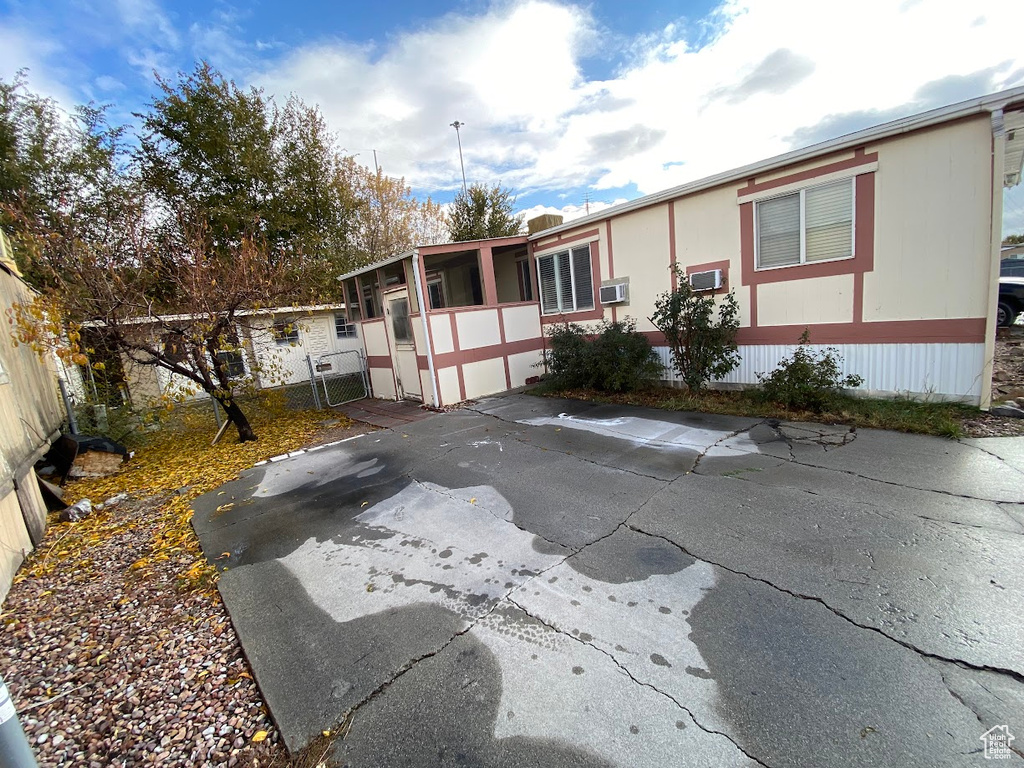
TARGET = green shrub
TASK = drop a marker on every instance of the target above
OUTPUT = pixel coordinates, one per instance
(807, 380)
(703, 346)
(614, 357)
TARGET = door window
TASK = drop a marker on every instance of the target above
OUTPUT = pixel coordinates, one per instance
(400, 324)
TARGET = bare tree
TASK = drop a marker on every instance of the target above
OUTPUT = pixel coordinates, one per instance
(184, 311)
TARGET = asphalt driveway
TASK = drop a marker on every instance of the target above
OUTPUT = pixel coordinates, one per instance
(545, 582)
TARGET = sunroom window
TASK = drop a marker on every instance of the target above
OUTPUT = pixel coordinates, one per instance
(566, 281)
(814, 224)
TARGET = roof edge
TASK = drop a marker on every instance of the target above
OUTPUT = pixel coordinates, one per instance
(921, 120)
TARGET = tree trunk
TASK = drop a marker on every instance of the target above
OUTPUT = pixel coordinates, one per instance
(238, 418)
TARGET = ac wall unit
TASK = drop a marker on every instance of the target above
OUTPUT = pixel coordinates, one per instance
(706, 281)
(613, 294)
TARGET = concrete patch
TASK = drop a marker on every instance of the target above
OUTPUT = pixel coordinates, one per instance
(427, 544)
(645, 431)
(513, 692)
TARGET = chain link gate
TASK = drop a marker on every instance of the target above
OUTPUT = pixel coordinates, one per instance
(343, 376)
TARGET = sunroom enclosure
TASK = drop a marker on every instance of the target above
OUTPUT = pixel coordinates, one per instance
(451, 322)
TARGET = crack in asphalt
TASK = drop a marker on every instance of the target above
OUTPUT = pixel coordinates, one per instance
(736, 433)
(578, 550)
(959, 698)
(639, 682)
(348, 718)
(894, 512)
(1013, 674)
(893, 483)
(993, 455)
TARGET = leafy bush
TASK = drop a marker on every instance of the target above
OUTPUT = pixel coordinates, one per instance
(703, 347)
(808, 380)
(614, 357)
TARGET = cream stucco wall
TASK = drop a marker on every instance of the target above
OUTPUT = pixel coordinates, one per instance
(640, 245)
(417, 334)
(427, 388)
(441, 333)
(485, 377)
(803, 302)
(523, 366)
(521, 322)
(375, 338)
(932, 209)
(382, 380)
(30, 413)
(707, 230)
(478, 328)
(448, 385)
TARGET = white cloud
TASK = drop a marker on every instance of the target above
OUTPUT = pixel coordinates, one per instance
(20, 49)
(751, 80)
(570, 212)
(515, 76)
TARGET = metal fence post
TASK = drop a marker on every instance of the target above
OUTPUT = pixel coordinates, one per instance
(312, 383)
(14, 749)
(72, 423)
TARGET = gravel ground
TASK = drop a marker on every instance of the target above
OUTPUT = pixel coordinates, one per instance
(110, 669)
(1007, 385)
(113, 665)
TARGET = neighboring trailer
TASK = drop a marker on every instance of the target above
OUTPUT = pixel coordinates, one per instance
(30, 418)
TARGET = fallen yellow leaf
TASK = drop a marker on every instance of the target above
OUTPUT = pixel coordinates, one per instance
(259, 736)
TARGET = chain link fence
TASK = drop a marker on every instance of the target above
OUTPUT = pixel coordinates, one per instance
(299, 382)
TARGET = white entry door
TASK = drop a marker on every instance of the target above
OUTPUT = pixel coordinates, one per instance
(403, 344)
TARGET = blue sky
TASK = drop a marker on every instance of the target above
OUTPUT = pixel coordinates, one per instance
(562, 102)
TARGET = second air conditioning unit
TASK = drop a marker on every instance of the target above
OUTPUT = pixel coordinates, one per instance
(711, 280)
(613, 294)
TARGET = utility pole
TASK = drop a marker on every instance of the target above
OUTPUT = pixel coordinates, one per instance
(456, 125)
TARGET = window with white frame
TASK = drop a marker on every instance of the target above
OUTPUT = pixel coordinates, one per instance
(811, 225)
(566, 281)
(286, 333)
(343, 329)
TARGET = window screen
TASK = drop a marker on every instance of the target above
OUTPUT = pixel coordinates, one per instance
(582, 278)
(566, 281)
(814, 224)
(829, 221)
(548, 284)
(778, 229)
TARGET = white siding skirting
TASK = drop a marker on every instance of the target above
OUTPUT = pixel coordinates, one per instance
(940, 371)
